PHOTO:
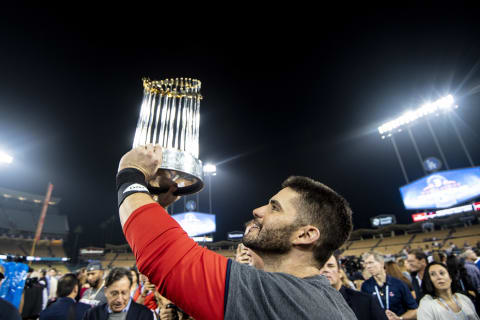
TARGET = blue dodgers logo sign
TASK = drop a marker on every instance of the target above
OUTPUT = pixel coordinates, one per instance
(442, 189)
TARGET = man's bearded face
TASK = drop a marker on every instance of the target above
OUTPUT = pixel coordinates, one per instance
(94, 277)
(259, 237)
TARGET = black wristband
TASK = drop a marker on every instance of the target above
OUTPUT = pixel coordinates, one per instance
(130, 181)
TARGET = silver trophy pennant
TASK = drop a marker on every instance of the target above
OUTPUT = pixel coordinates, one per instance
(170, 117)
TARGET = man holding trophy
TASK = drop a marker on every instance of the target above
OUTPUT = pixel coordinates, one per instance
(294, 233)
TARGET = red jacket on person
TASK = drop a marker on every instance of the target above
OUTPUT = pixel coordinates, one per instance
(190, 276)
(149, 301)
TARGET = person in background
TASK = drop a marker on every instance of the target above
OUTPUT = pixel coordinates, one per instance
(392, 269)
(469, 258)
(401, 263)
(456, 268)
(365, 274)
(345, 281)
(32, 298)
(168, 311)
(65, 306)
(356, 274)
(476, 250)
(52, 283)
(43, 281)
(96, 294)
(442, 301)
(416, 264)
(392, 294)
(135, 281)
(82, 282)
(145, 293)
(247, 256)
(363, 305)
(119, 305)
(460, 277)
(439, 256)
(7, 310)
(358, 279)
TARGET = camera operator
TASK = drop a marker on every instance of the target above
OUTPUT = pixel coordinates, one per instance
(353, 268)
(32, 296)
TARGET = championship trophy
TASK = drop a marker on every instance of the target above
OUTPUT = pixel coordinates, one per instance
(170, 118)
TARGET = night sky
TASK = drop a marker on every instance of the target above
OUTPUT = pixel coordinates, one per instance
(284, 93)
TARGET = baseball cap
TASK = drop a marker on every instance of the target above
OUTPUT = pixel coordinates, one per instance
(94, 266)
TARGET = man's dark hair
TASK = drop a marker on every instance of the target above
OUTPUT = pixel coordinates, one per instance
(458, 273)
(427, 284)
(321, 207)
(419, 255)
(66, 284)
(117, 274)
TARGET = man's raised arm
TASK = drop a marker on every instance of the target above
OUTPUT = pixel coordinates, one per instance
(192, 277)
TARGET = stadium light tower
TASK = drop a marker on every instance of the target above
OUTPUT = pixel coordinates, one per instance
(210, 170)
(444, 105)
(5, 157)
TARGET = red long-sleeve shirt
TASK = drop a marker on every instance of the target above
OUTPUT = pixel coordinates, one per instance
(193, 277)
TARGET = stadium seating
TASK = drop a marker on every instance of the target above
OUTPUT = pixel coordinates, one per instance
(460, 242)
(368, 243)
(392, 249)
(22, 247)
(355, 252)
(60, 267)
(468, 231)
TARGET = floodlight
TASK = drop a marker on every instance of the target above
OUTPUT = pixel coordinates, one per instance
(5, 157)
(443, 104)
(209, 168)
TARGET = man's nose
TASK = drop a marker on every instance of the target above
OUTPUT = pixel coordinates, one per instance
(259, 212)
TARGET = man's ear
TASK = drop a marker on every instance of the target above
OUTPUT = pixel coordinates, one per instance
(306, 235)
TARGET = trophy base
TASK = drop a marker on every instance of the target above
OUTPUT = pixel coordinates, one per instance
(181, 168)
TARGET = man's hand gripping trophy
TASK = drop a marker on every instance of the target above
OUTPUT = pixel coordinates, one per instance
(148, 159)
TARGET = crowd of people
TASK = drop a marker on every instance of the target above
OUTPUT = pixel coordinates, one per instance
(419, 285)
(415, 285)
(285, 268)
(91, 293)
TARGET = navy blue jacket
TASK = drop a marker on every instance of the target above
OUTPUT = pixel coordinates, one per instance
(136, 312)
(60, 309)
(8, 311)
(399, 297)
(363, 305)
(416, 287)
